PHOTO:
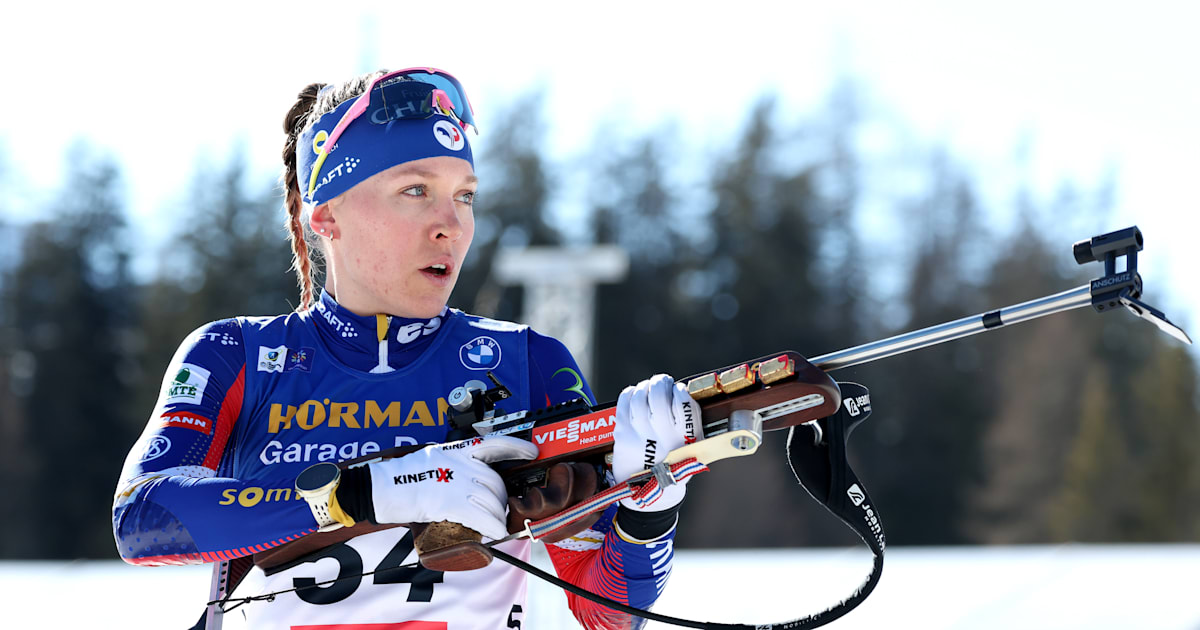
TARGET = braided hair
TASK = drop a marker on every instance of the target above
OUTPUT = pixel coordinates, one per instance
(315, 100)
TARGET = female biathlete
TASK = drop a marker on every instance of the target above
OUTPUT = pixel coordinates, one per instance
(379, 175)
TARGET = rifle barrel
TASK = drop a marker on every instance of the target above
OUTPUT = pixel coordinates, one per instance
(957, 329)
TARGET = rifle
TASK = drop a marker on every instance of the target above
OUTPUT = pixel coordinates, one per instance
(737, 403)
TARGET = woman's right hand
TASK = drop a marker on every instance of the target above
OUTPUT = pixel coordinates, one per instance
(448, 482)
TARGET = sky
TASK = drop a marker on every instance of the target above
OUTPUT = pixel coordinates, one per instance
(1081, 90)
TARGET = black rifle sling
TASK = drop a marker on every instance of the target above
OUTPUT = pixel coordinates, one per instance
(817, 454)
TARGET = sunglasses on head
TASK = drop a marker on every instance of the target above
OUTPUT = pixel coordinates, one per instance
(412, 93)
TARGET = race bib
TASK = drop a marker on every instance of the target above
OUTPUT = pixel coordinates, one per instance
(331, 590)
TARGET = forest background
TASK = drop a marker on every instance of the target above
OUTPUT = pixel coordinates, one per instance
(1076, 427)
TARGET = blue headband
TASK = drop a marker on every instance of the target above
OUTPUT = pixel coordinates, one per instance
(372, 144)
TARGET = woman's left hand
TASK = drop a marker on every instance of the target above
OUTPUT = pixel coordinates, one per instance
(654, 417)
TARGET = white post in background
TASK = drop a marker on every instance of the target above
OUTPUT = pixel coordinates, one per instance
(560, 289)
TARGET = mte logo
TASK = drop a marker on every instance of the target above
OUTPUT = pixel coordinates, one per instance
(188, 385)
(480, 353)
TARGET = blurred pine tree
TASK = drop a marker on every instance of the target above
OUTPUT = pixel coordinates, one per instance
(1075, 427)
(512, 206)
(72, 303)
(228, 255)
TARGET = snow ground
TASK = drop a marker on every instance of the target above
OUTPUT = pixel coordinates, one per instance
(1096, 587)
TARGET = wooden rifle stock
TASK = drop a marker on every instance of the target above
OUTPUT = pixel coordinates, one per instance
(786, 389)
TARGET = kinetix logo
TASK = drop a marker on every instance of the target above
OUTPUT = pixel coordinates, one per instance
(651, 452)
(689, 423)
(439, 474)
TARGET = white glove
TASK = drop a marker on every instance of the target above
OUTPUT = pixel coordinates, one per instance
(654, 418)
(448, 482)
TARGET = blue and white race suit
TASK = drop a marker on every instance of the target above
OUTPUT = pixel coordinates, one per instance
(248, 403)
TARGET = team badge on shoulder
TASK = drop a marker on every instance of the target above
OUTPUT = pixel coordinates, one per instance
(299, 360)
(283, 359)
(271, 359)
(480, 353)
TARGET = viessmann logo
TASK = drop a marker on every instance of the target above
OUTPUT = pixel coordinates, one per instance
(594, 429)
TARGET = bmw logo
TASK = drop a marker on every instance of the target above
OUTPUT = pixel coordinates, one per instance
(480, 353)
